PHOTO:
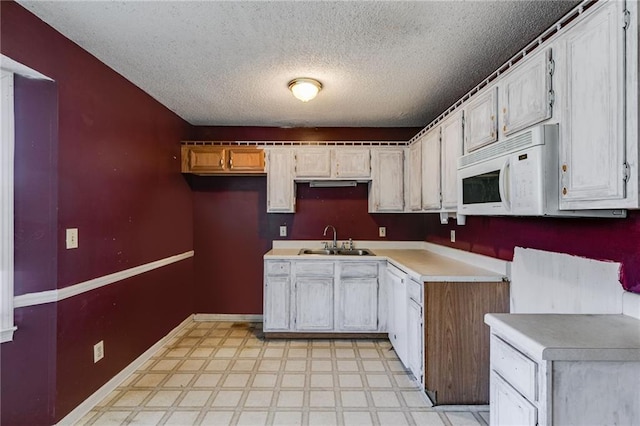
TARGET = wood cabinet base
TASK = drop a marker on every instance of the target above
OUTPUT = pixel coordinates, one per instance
(457, 339)
(304, 335)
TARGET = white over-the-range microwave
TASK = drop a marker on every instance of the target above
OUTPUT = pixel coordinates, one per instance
(517, 176)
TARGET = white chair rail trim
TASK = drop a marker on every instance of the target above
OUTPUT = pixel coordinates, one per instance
(49, 296)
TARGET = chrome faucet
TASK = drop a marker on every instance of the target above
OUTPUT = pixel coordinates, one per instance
(335, 236)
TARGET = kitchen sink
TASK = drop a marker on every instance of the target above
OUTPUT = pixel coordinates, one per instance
(337, 252)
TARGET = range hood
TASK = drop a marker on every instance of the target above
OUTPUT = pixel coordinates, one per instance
(332, 183)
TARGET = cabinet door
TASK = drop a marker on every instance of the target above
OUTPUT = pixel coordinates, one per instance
(592, 146)
(415, 340)
(280, 184)
(203, 159)
(277, 296)
(387, 181)
(358, 304)
(313, 163)
(397, 319)
(481, 121)
(248, 160)
(314, 303)
(451, 151)
(431, 170)
(525, 94)
(415, 176)
(508, 407)
(352, 163)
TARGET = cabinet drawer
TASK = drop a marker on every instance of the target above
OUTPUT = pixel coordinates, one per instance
(278, 268)
(514, 367)
(414, 291)
(359, 269)
(314, 268)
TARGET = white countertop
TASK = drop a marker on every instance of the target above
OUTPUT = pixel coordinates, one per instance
(571, 337)
(421, 264)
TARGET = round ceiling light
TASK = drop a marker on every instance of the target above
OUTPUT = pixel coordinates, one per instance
(305, 89)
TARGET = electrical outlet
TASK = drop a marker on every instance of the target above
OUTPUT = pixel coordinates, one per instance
(98, 351)
(72, 238)
(382, 231)
(453, 236)
(283, 230)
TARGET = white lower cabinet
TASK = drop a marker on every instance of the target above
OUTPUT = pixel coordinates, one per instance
(508, 407)
(358, 296)
(322, 296)
(397, 327)
(277, 300)
(563, 370)
(415, 330)
(314, 304)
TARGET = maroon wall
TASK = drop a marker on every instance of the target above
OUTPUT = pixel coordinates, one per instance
(233, 230)
(604, 239)
(116, 167)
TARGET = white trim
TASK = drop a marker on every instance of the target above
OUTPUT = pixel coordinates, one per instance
(7, 154)
(88, 404)
(10, 65)
(49, 296)
(228, 317)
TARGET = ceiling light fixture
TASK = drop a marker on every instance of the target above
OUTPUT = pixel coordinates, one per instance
(305, 89)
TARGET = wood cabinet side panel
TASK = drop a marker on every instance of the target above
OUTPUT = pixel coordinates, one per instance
(457, 340)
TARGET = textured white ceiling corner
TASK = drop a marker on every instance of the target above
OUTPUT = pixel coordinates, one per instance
(396, 64)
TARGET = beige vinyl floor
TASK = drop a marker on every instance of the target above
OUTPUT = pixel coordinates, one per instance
(226, 373)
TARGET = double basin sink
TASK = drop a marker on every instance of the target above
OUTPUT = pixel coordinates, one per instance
(337, 252)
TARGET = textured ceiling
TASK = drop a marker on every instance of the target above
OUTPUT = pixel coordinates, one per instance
(228, 63)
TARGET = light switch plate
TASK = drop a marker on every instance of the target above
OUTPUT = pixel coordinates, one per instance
(72, 238)
(98, 351)
(382, 231)
(283, 230)
(453, 236)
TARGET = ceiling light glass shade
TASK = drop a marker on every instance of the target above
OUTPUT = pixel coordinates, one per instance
(305, 89)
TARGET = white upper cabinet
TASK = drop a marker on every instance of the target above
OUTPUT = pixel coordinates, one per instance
(451, 146)
(313, 163)
(333, 163)
(592, 146)
(386, 191)
(431, 170)
(414, 180)
(281, 188)
(525, 93)
(352, 163)
(481, 120)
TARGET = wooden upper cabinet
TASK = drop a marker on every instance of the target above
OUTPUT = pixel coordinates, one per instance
(592, 142)
(481, 121)
(525, 94)
(352, 162)
(431, 165)
(451, 150)
(333, 163)
(313, 163)
(220, 159)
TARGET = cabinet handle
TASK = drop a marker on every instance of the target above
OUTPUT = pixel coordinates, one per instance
(231, 162)
(564, 168)
(504, 128)
(221, 162)
(564, 191)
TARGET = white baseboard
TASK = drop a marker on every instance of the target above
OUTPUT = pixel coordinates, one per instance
(88, 404)
(228, 317)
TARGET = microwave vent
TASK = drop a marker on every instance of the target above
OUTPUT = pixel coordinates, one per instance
(497, 149)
